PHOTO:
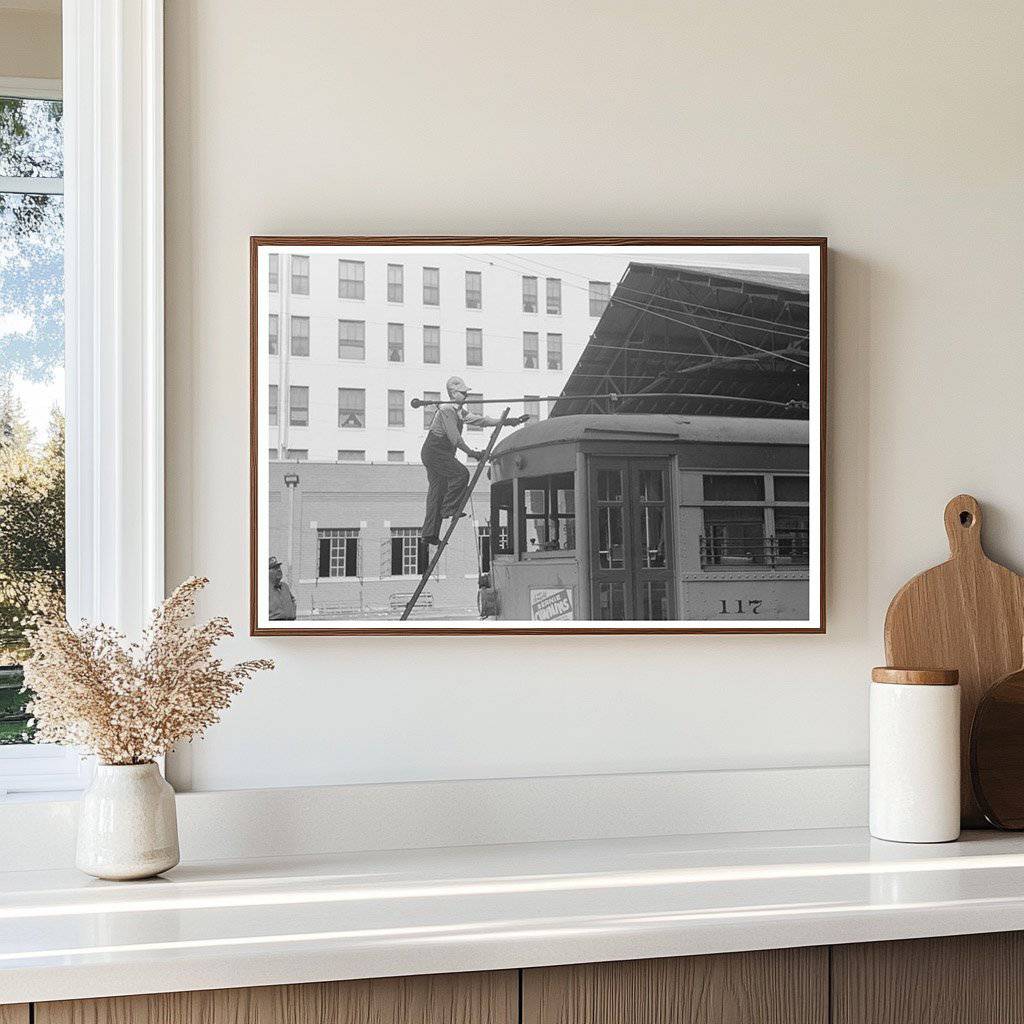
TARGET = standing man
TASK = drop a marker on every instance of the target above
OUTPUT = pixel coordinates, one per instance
(446, 476)
(282, 603)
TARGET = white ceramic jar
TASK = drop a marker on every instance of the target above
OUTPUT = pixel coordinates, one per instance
(915, 755)
(127, 824)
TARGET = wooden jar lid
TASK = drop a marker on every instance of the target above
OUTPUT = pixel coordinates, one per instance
(916, 676)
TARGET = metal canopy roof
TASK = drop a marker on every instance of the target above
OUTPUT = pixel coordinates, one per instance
(697, 341)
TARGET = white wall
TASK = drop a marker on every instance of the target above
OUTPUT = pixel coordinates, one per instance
(895, 129)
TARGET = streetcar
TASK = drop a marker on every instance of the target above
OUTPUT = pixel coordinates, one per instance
(650, 517)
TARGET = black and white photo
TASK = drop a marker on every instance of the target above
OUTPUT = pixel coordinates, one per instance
(537, 435)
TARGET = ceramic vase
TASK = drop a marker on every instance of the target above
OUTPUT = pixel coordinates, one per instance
(127, 826)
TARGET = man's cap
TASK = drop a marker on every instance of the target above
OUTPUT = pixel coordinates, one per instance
(274, 563)
(457, 384)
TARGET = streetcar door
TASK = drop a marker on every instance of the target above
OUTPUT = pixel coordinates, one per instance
(631, 553)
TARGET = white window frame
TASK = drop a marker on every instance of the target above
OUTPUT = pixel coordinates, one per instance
(114, 337)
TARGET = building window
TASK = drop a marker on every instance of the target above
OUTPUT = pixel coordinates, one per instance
(272, 330)
(396, 456)
(529, 295)
(408, 552)
(547, 513)
(396, 408)
(531, 406)
(396, 282)
(351, 455)
(474, 346)
(430, 411)
(474, 289)
(554, 295)
(338, 553)
(554, 351)
(275, 272)
(300, 336)
(273, 405)
(431, 344)
(296, 454)
(351, 339)
(298, 406)
(351, 408)
(531, 350)
(300, 275)
(600, 293)
(431, 286)
(483, 547)
(474, 402)
(351, 279)
(396, 343)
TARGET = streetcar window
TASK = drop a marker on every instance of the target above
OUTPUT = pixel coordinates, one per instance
(733, 487)
(501, 518)
(791, 488)
(547, 513)
(733, 537)
(792, 536)
(610, 549)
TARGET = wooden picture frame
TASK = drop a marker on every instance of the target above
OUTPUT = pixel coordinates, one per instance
(331, 560)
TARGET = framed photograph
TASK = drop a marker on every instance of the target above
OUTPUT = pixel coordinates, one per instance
(537, 435)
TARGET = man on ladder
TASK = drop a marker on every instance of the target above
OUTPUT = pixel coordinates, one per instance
(446, 476)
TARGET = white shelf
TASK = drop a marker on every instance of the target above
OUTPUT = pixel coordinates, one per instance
(352, 915)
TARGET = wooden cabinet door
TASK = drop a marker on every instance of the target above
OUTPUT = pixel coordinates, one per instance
(14, 1014)
(778, 986)
(961, 979)
(479, 998)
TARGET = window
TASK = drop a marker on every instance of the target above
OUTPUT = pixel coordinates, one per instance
(431, 286)
(501, 518)
(351, 455)
(396, 282)
(474, 346)
(273, 454)
(474, 402)
(408, 552)
(531, 406)
(272, 331)
(431, 344)
(554, 351)
(273, 405)
(296, 454)
(474, 289)
(351, 408)
(531, 350)
(547, 513)
(600, 295)
(351, 339)
(396, 456)
(755, 520)
(483, 547)
(351, 279)
(300, 275)
(551, 406)
(396, 408)
(529, 295)
(553, 288)
(429, 411)
(300, 336)
(298, 406)
(338, 553)
(274, 273)
(396, 343)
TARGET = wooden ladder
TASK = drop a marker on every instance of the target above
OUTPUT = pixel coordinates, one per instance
(455, 518)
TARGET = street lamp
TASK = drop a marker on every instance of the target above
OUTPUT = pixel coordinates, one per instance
(291, 481)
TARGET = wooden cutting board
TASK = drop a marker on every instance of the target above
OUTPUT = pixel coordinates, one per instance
(967, 614)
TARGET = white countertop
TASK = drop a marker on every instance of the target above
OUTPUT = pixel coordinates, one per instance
(272, 921)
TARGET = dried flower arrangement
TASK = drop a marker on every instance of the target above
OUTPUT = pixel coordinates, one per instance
(129, 703)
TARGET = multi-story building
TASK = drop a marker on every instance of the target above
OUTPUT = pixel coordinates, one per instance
(353, 340)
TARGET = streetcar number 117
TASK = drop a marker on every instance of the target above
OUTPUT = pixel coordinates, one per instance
(748, 607)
